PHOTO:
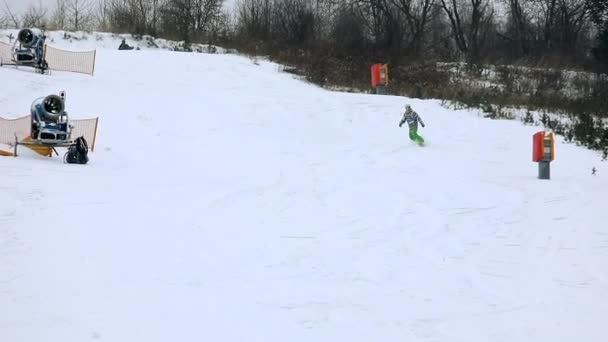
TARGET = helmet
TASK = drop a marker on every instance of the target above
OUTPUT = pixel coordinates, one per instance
(407, 107)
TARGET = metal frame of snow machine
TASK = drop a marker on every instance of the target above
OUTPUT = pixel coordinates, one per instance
(34, 143)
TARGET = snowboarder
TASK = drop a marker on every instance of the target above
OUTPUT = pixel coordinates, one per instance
(412, 118)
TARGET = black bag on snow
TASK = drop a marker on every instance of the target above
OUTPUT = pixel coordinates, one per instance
(78, 153)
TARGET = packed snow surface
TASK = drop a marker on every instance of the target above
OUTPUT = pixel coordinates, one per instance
(228, 201)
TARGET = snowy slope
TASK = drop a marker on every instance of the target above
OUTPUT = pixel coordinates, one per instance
(230, 202)
(85, 41)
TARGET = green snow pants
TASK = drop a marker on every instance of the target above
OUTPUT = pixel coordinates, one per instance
(414, 135)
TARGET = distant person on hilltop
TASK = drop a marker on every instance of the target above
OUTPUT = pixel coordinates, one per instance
(412, 118)
(124, 46)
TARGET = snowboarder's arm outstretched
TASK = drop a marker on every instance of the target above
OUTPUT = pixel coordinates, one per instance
(419, 119)
(402, 121)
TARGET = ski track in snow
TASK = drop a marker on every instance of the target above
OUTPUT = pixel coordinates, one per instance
(229, 201)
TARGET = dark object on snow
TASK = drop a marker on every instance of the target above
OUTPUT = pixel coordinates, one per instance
(78, 153)
(593, 171)
(124, 46)
(152, 44)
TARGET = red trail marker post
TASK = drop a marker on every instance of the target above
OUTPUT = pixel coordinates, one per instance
(543, 152)
(379, 78)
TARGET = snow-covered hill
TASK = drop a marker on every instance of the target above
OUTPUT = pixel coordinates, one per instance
(80, 40)
(227, 201)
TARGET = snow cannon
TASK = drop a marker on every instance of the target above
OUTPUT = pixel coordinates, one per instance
(51, 128)
(29, 49)
(50, 120)
(30, 37)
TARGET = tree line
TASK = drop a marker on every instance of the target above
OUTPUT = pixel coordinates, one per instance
(187, 20)
(528, 31)
(470, 30)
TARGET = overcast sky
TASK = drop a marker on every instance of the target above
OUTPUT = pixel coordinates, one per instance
(20, 5)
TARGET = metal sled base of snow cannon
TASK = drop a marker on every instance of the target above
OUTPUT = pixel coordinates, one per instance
(44, 149)
(41, 69)
(77, 150)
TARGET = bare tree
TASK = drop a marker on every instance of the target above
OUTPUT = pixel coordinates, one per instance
(34, 16)
(59, 16)
(155, 16)
(379, 20)
(348, 31)
(79, 14)
(5, 21)
(560, 22)
(517, 32)
(254, 17)
(141, 13)
(293, 21)
(205, 13)
(10, 17)
(135, 16)
(224, 28)
(101, 15)
(417, 14)
(573, 16)
(469, 31)
(600, 19)
(326, 13)
(178, 19)
(547, 16)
